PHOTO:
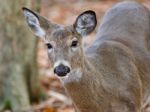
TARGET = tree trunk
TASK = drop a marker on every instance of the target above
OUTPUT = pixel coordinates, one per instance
(17, 57)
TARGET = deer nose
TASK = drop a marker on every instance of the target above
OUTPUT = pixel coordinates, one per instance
(61, 70)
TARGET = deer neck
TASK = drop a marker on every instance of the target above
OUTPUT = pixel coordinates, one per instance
(85, 86)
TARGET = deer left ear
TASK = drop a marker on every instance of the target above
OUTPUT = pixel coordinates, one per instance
(37, 23)
(85, 23)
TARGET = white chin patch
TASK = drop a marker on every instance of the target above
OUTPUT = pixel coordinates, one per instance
(74, 76)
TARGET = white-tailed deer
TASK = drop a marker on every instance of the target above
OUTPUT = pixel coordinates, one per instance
(113, 73)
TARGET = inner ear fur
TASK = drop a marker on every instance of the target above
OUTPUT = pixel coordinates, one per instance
(85, 22)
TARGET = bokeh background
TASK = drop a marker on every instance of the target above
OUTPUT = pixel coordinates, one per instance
(27, 83)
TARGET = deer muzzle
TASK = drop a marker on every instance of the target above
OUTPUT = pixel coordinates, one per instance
(61, 70)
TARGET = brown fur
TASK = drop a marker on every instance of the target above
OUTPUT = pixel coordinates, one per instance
(115, 68)
(116, 73)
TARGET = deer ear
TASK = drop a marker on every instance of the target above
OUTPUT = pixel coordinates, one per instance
(85, 23)
(37, 23)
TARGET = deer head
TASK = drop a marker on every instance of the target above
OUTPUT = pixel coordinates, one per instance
(64, 43)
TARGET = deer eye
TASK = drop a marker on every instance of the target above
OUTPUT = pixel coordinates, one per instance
(49, 46)
(74, 43)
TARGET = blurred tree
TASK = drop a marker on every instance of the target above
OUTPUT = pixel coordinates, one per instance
(18, 73)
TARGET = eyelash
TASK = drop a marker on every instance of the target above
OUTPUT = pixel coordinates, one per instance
(49, 46)
(74, 43)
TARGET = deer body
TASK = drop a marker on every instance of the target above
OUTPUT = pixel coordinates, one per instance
(112, 74)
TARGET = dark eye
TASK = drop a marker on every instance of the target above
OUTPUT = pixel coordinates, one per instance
(74, 43)
(49, 46)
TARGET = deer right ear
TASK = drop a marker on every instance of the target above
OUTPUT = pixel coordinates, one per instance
(35, 22)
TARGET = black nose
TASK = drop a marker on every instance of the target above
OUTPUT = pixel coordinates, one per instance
(61, 70)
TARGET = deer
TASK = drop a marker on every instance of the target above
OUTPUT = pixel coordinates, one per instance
(112, 74)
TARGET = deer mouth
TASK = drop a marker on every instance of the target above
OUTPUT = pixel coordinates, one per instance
(75, 75)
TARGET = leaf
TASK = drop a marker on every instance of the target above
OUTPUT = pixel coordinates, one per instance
(48, 109)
